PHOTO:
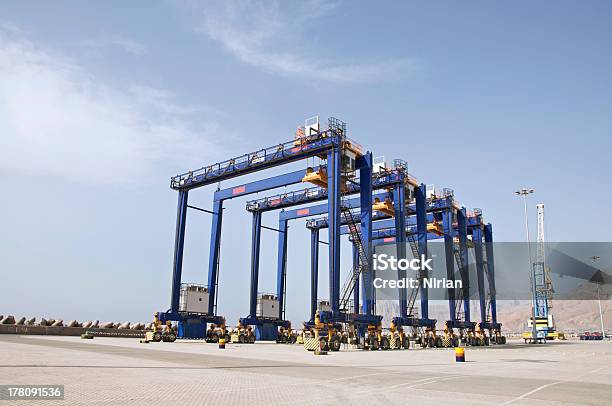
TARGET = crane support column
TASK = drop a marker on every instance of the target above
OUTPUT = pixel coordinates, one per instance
(314, 271)
(364, 163)
(213, 259)
(447, 222)
(477, 240)
(281, 266)
(421, 215)
(399, 207)
(179, 244)
(463, 255)
(255, 250)
(488, 237)
(334, 158)
(356, 291)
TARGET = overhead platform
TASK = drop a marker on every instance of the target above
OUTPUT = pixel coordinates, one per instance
(385, 206)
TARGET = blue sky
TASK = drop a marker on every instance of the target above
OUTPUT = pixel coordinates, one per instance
(101, 103)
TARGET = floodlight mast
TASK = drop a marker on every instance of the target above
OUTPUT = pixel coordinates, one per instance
(524, 192)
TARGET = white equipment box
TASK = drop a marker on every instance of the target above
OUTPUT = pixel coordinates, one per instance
(267, 306)
(380, 165)
(194, 299)
(324, 306)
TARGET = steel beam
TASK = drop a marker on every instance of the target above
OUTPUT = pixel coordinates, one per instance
(333, 178)
(262, 185)
(420, 196)
(314, 272)
(256, 161)
(357, 287)
(399, 206)
(179, 244)
(281, 266)
(463, 255)
(477, 240)
(364, 164)
(255, 250)
(447, 223)
(488, 237)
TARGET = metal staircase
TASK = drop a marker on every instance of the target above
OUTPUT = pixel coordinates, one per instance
(459, 313)
(414, 247)
(349, 285)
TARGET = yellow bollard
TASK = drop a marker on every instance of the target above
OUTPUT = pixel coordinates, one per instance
(221, 343)
(459, 354)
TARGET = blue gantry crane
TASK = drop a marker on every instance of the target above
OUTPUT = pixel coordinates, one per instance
(330, 144)
(345, 170)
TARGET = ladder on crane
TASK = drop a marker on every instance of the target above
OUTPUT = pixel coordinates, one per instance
(349, 284)
(459, 311)
(414, 292)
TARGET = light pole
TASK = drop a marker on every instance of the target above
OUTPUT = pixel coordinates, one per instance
(534, 332)
(594, 258)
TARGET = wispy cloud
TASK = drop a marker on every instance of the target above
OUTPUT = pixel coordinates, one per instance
(251, 31)
(114, 41)
(58, 120)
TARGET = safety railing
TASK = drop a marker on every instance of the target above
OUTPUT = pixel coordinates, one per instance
(254, 159)
(295, 197)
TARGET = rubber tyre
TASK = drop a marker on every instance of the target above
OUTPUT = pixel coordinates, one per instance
(438, 342)
(455, 342)
(157, 336)
(292, 339)
(430, 342)
(373, 341)
(242, 339)
(334, 343)
(405, 343)
(323, 344)
(384, 343)
(503, 339)
(486, 341)
(171, 337)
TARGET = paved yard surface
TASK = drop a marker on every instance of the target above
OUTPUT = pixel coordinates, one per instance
(121, 370)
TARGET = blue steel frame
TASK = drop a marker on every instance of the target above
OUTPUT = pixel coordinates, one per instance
(283, 220)
(484, 265)
(424, 206)
(462, 233)
(327, 142)
(291, 199)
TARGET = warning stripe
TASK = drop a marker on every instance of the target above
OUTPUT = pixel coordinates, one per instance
(311, 343)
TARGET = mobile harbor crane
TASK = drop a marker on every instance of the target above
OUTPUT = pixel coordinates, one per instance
(542, 299)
